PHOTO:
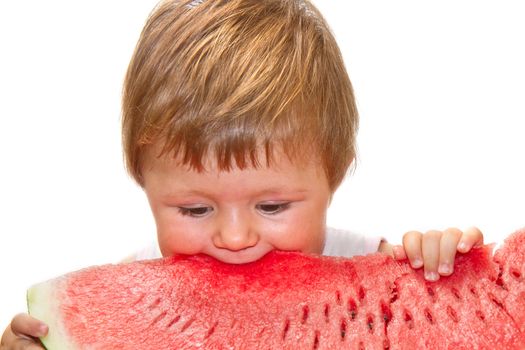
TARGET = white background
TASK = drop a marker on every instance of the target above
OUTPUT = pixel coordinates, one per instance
(440, 88)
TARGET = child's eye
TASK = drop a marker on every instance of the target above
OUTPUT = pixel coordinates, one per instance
(195, 211)
(272, 208)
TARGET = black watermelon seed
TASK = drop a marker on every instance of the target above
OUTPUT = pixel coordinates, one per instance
(343, 329)
(327, 312)
(352, 308)
(429, 316)
(316, 340)
(456, 293)
(370, 323)
(286, 328)
(306, 312)
(361, 293)
(452, 313)
(408, 319)
(515, 273)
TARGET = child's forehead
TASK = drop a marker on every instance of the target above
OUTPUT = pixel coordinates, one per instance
(168, 173)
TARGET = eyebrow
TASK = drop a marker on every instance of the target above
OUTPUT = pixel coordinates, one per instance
(276, 190)
(266, 191)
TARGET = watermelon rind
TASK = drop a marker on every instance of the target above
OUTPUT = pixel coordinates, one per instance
(43, 304)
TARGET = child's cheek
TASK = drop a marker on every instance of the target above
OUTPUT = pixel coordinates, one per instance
(179, 238)
(301, 235)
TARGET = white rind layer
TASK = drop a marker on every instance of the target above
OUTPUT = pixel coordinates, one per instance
(43, 303)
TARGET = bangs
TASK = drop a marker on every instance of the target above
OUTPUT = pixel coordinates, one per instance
(238, 142)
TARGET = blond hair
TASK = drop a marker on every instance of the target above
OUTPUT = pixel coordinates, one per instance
(226, 79)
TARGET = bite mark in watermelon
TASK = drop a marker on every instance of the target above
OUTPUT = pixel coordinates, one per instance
(288, 301)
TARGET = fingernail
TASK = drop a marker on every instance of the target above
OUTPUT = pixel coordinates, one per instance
(445, 269)
(462, 247)
(42, 330)
(431, 276)
(417, 263)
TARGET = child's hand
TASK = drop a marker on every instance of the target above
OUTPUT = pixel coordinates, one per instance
(23, 333)
(435, 250)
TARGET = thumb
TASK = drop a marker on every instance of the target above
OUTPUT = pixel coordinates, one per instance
(24, 325)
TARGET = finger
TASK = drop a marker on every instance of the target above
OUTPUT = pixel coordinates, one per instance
(447, 251)
(24, 325)
(386, 248)
(471, 237)
(412, 245)
(430, 246)
(399, 252)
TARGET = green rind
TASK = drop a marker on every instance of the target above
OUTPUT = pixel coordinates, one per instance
(43, 304)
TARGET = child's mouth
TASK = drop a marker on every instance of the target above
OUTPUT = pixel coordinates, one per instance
(242, 256)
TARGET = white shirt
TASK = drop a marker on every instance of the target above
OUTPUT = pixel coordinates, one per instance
(337, 243)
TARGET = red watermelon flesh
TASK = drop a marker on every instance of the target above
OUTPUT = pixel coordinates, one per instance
(369, 306)
(425, 314)
(511, 260)
(284, 301)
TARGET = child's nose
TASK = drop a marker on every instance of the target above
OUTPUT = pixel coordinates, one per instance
(235, 232)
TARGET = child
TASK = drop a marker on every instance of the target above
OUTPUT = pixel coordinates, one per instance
(239, 123)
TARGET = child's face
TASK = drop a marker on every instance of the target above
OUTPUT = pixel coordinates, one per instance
(237, 216)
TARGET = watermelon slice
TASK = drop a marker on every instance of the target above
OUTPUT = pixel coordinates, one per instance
(288, 300)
